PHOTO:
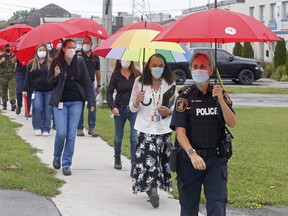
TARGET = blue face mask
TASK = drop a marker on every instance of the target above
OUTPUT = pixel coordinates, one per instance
(157, 72)
(200, 77)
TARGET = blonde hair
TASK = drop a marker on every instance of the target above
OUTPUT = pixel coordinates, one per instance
(35, 61)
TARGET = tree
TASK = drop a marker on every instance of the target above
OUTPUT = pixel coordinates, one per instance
(247, 51)
(237, 50)
(280, 53)
(22, 15)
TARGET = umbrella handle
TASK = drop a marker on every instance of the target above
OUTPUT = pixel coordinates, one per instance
(147, 104)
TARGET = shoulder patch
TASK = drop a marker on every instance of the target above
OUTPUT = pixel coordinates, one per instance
(226, 98)
(181, 104)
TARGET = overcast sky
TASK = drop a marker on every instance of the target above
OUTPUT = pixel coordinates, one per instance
(87, 8)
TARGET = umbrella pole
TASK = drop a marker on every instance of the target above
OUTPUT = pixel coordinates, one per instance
(150, 101)
(215, 59)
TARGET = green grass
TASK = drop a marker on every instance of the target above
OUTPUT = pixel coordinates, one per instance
(258, 173)
(257, 90)
(20, 168)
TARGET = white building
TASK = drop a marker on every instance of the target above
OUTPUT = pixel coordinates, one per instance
(273, 14)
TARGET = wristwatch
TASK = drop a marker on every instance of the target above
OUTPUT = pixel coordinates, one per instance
(190, 151)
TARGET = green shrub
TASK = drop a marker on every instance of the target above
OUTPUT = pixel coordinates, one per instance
(247, 51)
(280, 53)
(280, 71)
(268, 69)
(237, 50)
(284, 78)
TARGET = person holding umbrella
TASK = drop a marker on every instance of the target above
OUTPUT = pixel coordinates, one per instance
(122, 81)
(36, 81)
(152, 122)
(70, 79)
(199, 119)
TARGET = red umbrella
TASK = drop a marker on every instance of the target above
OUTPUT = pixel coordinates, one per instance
(26, 106)
(42, 34)
(217, 25)
(13, 32)
(142, 25)
(3, 42)
(89, 27)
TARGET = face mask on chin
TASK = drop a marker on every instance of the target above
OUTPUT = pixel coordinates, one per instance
(157, 72)
(86, 47)
(69, 53)
(200, 77)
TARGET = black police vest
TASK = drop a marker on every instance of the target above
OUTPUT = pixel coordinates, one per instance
(204, 128)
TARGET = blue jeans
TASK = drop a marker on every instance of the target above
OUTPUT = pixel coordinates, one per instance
(66, 121)
(41, 111)
(119, 123)
(91, 115)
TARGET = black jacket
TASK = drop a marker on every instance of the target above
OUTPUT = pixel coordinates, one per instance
(83, 81)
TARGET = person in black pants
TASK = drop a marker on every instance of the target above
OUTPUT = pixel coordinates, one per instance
(20, 77)
(199, 119)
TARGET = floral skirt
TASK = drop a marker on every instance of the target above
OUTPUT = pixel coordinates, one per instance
(152, 163)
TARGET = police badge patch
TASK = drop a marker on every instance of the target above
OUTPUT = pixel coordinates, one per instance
(226, 98)
(181, 104)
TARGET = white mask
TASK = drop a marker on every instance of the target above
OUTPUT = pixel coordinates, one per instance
(86, 47)
(49, 47)
(157, 72)
(125, 64)
(200, 77)
(41, 54)
(59, 45)
(69, 53)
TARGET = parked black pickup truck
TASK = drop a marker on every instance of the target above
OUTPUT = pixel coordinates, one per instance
(240, 70)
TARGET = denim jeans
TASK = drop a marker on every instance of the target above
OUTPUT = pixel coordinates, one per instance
(91, 115)
(66, 121)
(41, 111)
(119, 123)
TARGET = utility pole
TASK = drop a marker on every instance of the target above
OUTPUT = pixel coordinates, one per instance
(107, 23)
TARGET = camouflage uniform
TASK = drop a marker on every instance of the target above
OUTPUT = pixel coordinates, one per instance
(8, 80)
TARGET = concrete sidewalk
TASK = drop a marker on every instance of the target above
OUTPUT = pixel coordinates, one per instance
(95, 187)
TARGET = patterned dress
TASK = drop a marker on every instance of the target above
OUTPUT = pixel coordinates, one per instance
(152, 163)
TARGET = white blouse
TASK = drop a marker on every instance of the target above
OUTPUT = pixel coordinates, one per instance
(144, 121)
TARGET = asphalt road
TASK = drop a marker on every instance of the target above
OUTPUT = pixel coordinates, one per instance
(257, 100)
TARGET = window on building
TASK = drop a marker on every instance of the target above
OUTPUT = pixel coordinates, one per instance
(273, 11)
(285, 10)
(261, 13)
(251, 11)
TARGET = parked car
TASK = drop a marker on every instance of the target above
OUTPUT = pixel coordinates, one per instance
(239, 70)
(181, 70)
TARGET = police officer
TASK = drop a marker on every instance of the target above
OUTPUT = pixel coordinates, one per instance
(199, 119)
(8, 77)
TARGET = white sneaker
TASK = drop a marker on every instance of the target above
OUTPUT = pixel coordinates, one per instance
(46, 133)
(38, 132)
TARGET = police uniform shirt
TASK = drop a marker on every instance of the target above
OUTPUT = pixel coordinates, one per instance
(92, 63)
(198, 114)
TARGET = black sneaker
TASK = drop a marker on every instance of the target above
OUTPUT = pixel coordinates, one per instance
(13, 107)
(117, 162)
(66, 171)
(18, 110)
(154, 200)
(56, 163)
(4, 106)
